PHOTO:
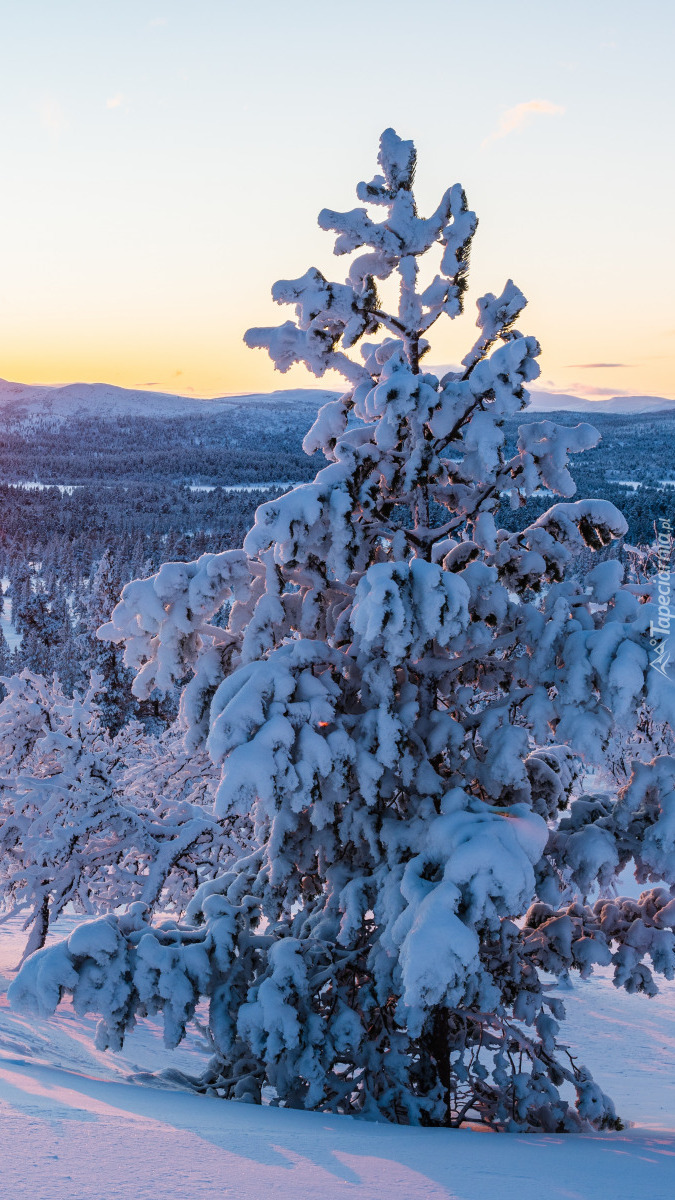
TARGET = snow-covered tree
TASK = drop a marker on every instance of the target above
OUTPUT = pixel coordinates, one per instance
(42, 625)
(397, 702)
(93, 821)
(105, 658)
(5, 656)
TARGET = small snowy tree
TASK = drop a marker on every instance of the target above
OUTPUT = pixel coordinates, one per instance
(44, 627)
(90, 821)
(395, 701)
(105, 658)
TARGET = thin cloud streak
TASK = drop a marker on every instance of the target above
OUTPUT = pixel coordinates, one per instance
(578, 388)
(520, 115)
(595, 366)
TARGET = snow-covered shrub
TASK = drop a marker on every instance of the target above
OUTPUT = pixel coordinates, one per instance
(94, 821)
(396, 691)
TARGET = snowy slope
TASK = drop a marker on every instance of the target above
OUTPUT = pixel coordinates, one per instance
(26, 401)
(555, 401)
(75, 1122)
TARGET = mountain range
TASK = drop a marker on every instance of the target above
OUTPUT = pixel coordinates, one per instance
(558, 401)
(28, 401)
(25, 401)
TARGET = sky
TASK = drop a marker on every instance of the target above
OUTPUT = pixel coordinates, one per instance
(164, 164)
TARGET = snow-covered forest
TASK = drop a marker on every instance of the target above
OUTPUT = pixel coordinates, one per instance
(346, 785)
(149, 490)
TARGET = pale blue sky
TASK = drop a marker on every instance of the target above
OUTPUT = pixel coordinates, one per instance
(165, 163)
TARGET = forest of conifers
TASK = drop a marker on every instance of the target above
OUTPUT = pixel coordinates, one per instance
(148, 490)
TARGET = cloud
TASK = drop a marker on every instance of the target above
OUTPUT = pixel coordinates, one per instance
(115, 101)
(603, 391)
(520, 115)
(595, 366)
(582, 389)
(156, 22)
(52, 116)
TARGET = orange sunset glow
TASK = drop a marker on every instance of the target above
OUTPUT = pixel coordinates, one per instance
(155, 196)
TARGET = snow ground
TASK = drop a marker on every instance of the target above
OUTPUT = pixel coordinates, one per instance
(78, 1123)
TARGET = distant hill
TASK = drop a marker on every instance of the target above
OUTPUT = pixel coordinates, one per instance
(27, 401)
(557, 401)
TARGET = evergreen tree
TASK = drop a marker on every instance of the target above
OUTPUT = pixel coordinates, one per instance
(5, 661)
(104, 657)
(396, 702)
(45, 631)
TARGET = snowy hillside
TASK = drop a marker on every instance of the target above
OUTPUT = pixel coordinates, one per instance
(64, 1103)
(22, 400)
(557, 401)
